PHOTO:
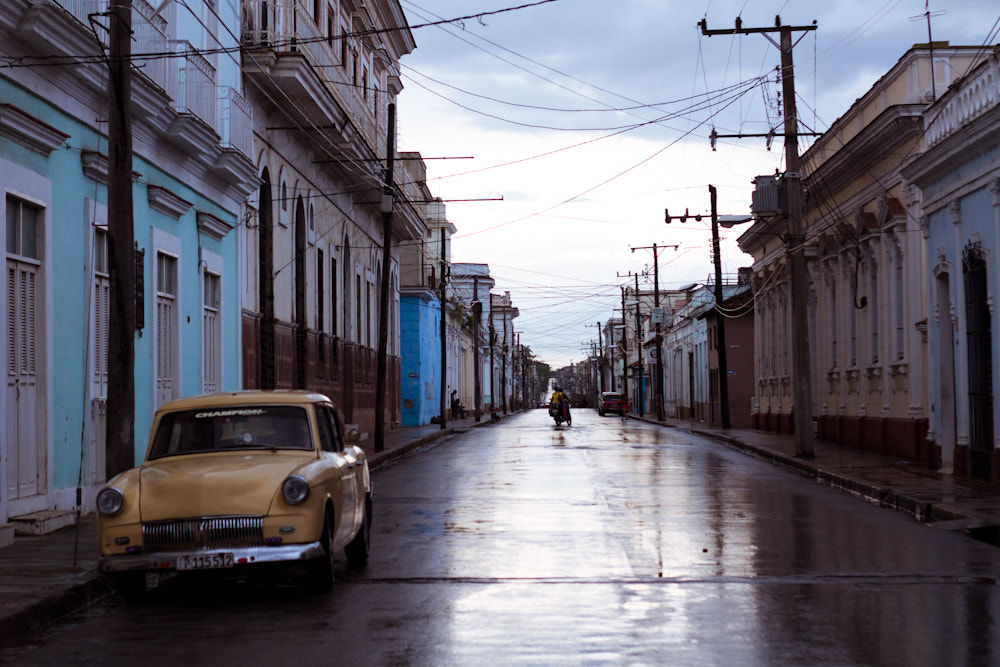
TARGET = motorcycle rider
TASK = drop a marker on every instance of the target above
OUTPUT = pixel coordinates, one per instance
(561, 402)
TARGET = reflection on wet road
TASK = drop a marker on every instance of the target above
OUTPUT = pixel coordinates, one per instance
(607, 542)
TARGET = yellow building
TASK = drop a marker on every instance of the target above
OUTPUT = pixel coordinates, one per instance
(866, 259)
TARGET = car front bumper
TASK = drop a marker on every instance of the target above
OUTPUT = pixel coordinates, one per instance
(167, 560)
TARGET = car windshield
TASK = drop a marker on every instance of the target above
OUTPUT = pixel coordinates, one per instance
(232, 428)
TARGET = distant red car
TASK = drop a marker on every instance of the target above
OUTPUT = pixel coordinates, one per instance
(611, 401)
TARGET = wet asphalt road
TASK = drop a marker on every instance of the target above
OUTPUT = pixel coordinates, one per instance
(607, 542)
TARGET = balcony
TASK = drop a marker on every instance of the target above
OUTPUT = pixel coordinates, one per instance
(295, 60)
(972, 97)
(149, 38)
(192, 87)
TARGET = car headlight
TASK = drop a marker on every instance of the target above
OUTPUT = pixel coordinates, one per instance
(295, 490)
(110, 501)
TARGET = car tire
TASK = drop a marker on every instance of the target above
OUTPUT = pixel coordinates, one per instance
(322, 575)
(357, 549)
(130, 586)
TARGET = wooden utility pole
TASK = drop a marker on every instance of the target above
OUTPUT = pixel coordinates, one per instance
(799, 278)
(658, 389)
(624, 345)
(638, 347)
(477, 381)
(444, 335)
(383, 320)
(493, 368)
(600, 358)
(503, 363)
(720, 318)
(120, 428)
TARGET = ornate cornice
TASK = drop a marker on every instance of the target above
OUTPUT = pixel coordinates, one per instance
(212, 226)
(166, 202)
(893, 127)
(29, 131)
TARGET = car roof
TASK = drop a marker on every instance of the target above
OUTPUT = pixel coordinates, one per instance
(611, 393)
(229, 398)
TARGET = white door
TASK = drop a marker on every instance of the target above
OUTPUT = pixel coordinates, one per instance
(26, 473)
(166, 329)
(101, 300)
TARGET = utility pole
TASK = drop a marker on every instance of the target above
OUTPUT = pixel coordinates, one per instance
(383, 321)
(638, 338)
(638, 346)
(657, 319)
(720, 318)
(477, 380)
(493, 368)
(624, 346)
(503, 364)
(524, 377)
(444, 335)
(802, 376)
(120, 436)
(600, 362)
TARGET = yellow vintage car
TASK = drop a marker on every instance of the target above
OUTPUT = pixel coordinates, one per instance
(236, 481)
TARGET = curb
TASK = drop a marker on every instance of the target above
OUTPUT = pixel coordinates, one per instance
(381, 459)
(50, 609)
(922, 511)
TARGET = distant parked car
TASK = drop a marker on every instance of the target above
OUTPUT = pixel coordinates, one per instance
(234, 482)
(611, 401)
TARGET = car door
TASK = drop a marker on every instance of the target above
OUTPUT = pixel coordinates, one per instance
(345, 472)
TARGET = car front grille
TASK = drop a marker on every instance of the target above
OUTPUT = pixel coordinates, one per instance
(217, 532)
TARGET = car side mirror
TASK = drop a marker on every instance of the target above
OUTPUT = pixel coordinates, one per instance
(353, 435)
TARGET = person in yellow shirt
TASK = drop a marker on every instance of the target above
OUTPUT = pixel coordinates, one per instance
(560, 401)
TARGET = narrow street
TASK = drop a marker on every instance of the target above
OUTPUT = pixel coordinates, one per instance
(607, 542)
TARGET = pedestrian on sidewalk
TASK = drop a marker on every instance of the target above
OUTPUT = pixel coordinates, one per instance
(457, 411)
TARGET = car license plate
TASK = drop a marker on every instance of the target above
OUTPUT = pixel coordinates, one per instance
(213, 561)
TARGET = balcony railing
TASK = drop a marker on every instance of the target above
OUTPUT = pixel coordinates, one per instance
(150, 39)
(235, 121)
(82, 8)
(287, 26)
(196, 90)
(975, 95)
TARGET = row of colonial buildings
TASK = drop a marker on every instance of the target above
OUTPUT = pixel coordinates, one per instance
(902, 226)
(259, 153)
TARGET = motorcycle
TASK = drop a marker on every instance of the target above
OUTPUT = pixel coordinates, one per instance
(560, 415)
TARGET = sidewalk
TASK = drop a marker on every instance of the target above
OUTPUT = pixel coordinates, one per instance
(44, 578)
(47, 577)
(967, 505)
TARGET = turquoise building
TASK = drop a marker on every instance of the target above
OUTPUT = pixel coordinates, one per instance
(420, 343)
(191, 138)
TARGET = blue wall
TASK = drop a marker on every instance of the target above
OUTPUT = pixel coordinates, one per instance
(420, 343)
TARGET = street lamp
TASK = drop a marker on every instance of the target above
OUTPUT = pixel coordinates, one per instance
(726, 221)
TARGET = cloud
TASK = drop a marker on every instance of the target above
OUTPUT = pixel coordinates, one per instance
(575, 201)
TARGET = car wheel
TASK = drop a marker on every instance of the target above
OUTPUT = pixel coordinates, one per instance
(322, 570)
(358, 548)
(130, 586)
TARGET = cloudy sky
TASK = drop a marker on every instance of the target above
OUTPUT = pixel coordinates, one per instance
(589, 118)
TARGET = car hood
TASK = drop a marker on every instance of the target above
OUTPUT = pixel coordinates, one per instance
(223, 484)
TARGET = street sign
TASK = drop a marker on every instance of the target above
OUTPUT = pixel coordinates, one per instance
(656, 315)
